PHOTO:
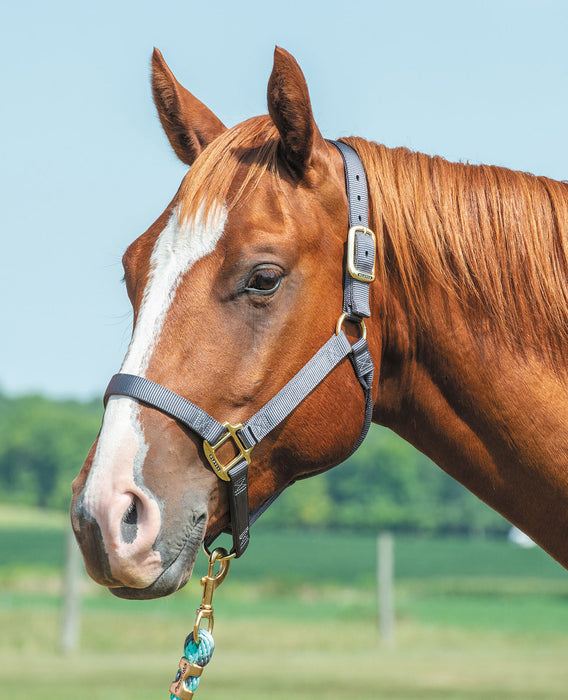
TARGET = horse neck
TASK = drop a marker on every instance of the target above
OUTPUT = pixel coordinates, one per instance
(490, 410)
(494, 419)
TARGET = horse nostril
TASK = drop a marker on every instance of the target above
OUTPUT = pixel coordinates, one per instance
(131, 515)
(129, 524)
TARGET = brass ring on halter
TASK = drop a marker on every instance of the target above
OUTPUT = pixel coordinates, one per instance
(340, 324)
(218, 554)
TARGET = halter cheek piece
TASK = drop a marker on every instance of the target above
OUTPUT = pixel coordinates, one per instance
(359, 273)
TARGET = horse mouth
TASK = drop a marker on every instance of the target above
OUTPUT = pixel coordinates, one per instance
(175, 575)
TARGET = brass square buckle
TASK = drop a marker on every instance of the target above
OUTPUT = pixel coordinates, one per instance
(222, 470)
(351, 266)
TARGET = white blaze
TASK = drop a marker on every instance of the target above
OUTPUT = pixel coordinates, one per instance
(175, 251)
(116, 472)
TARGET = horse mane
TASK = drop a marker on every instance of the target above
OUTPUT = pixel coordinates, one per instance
(493, 238)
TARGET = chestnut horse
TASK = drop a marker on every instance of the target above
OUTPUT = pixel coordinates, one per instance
(239, 282)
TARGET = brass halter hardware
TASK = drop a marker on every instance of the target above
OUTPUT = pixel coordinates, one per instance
(351, 266)
(210, 582)
(222, 470)
(187, 669)
(342, 318)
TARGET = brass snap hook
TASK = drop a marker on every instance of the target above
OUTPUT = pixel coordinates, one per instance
(210, 582)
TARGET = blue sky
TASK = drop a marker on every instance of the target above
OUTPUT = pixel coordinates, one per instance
(85, 167)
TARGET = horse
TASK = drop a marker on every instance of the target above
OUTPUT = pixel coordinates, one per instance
(240, 281)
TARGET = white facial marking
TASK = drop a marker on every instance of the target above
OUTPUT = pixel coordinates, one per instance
(175, 251)
(116, 472)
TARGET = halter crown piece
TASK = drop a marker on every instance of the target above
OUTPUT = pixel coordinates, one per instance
(359, 273)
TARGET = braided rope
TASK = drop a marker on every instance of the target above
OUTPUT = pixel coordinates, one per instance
(199, 654)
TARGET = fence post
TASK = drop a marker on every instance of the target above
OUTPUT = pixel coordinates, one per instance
(385, 587)
(70, 613)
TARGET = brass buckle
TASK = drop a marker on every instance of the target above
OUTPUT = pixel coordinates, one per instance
(222, 470)
(351, 267)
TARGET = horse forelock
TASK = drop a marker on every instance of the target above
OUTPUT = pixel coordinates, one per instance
(493, 238)
(229, 169)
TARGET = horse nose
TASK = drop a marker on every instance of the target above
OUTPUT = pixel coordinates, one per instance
(116, 533)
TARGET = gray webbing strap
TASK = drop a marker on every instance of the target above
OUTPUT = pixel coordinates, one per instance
(363, 365)
(239, 508)
(364, 370)
(262, 422)
(296, 390)
(167, 401)
(362, 244)
(355, 185)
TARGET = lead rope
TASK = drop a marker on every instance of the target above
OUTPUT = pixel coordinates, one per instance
(199, 645)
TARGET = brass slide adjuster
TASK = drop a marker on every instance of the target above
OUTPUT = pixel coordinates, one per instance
(222, 470)
(351, 266)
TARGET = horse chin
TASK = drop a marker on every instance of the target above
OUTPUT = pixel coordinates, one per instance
(176, 575)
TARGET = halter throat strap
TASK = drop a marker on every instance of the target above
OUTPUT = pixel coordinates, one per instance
(359, 273)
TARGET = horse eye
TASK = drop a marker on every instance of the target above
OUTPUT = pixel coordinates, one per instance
(264, 281)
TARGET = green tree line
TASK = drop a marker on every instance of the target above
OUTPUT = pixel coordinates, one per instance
(386, 484)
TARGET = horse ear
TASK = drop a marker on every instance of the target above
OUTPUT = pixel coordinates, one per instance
(189, 125)
(291, 111)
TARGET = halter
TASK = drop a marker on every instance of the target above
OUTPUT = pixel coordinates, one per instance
(359, 273)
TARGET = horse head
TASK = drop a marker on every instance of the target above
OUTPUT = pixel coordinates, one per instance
(233, 289)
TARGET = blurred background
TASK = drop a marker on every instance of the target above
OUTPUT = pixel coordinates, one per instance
(85, 169)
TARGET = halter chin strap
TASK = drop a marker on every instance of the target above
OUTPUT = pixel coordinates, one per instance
(359, 273)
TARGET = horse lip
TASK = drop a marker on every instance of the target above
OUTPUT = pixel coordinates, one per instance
(175, 575)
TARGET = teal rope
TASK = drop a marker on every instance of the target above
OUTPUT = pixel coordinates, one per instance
(199, 654)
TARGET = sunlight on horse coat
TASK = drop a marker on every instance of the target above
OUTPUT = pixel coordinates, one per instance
(238, 283)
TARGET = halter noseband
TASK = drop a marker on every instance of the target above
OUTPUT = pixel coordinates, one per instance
(359, 273)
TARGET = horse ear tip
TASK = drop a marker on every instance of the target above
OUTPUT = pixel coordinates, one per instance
(157, 57)
(281, 54)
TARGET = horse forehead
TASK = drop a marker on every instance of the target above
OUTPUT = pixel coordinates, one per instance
(274, 211)
(182, 242)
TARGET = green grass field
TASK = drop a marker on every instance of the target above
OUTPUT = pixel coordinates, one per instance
(296, 617)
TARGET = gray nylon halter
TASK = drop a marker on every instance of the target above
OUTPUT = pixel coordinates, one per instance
(359, 273)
